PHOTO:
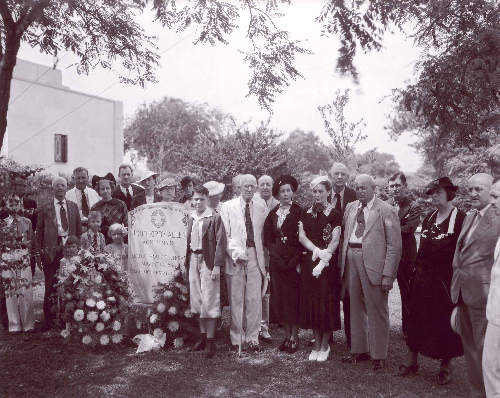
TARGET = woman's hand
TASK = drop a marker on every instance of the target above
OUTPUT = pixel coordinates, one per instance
(215, 275)
(324, 255)
(318, 269)
(315, 253)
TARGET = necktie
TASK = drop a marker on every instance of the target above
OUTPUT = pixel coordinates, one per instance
(249, 226)
(338, 205)
(128, 198)
(360, 217)
(64, 217)
(85, 204)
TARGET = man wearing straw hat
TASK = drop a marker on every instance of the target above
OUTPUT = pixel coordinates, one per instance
(246, 267)
(215, 192)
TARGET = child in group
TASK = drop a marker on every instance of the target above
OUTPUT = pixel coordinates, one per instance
(70, 250)
(93, 239)
(118, 249)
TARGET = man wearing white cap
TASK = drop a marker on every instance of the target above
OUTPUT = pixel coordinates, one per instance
(167, 188)
(215, 191)
(246, 266)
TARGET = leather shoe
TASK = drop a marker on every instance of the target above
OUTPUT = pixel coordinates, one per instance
(378, 364)
(285, 345)
(293, 346)
(407, 370)
(355, 358)
(253, 347)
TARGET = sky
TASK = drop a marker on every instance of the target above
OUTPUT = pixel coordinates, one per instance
(218, 76)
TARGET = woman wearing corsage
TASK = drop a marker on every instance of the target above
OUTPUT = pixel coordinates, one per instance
(319, 233)
(429, 330)
(281, 238)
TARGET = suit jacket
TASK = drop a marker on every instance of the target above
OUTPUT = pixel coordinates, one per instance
(349, 196)
(473, 259)
(381, 241)
(46, 237)
(409, 218)
(493, 306)
(213, 242)
(236, 233)
(138, 196)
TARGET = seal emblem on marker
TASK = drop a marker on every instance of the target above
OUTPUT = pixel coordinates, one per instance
(158, 218)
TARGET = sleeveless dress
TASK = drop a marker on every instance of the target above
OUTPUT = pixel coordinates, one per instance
(429, 330)
(320, 297)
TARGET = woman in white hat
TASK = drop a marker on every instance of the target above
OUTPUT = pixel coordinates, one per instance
(215, 192)
(167, 188)
(148, 182)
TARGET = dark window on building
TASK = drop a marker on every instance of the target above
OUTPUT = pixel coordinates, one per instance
(61, 148)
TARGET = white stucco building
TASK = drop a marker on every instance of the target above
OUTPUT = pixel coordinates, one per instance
(58, 128)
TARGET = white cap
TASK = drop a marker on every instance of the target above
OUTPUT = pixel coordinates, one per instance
(214, 187)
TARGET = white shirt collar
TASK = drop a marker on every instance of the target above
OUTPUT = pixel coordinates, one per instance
(129, 189)
(483, 211)
(56, 201)
(369, 205)
(207, 213)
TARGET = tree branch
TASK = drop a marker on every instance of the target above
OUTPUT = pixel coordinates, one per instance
(27, 19)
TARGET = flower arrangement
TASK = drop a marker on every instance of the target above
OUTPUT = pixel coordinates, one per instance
(95, 300)
(170, 317)
(14, 258)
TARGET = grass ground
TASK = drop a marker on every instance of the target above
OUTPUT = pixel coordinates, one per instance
(43, 365)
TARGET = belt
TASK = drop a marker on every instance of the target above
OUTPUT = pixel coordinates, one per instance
(196, 251)
(250, 244)
(355, 245)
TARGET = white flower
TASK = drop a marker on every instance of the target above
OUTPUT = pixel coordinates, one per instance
(92, 316)
(98, 279)
(116, 338)
(188, 314)
(112, 299)
(183, 289)
(80, 330)
(65, 333)
(90, 302)
(168, 294)
(99, 326)
(158, 333)
(100, 305)
(172, 310)
(178, 342)
(138, 324)
(104, 316)
(161, 308)
(104, 339)
(183, 298)
(117, 326)
(79, 315)
(173, 326)
(97, 295)
(153, 318)
(87, 255)
(68, 296)
(86, 339)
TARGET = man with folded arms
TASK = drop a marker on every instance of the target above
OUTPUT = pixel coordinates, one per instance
(371, 251)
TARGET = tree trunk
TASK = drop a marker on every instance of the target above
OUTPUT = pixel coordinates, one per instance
(7, 64)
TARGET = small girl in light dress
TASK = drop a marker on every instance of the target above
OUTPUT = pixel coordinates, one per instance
(118, 250)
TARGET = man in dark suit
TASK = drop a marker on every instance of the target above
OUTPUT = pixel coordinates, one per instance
(57, 220)
(470, 284)
(409, 217)
(341, 196)
(132, 194)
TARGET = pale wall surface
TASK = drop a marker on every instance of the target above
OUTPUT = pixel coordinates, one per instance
(40, 107)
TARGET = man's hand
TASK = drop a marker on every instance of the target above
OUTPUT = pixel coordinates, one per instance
(241, 262)
(387, 282)
(215, 273)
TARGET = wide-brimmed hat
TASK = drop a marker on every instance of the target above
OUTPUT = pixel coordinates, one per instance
(284, 180)
(214, 187)
(167, 182)
(147, 174)
(109, 177)
(443, 182)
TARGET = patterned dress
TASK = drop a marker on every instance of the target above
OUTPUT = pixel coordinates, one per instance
(112, 211)
(320, 297)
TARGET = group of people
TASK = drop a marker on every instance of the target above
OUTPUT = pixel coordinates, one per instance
(299, 267)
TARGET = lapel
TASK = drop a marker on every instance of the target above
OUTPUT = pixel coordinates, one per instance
(403, 211)
(373, 215)
(350, 219)
(51, 212)
(481, 229)
(205, 225)
(465, 229)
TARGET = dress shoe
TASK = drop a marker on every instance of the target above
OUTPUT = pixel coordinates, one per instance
(210, 350)
(293, 347)
(407, 370)
(264, 334)
(313, 356)
(444, 376)
(254, 347)
(378, 364)
(285, 345)
(200, 344)
(355, 358)
(323, 355)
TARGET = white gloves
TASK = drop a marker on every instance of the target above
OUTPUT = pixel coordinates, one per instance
(322, 254)
(319, 268)
(315, 253)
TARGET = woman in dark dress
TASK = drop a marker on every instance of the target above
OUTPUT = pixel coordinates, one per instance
(112, 210)
(319, 233)
(281, 238)
(429, 329)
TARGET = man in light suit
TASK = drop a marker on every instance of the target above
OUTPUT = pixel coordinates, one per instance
(470, 284)
(57, 220)
(491, 352)
(371, 252)
(84, 196)
(243, 219)
(265, 184)
(342, 195)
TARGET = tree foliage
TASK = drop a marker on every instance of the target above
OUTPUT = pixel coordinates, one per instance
(377, 164)
(159, 131)
(343, 133)
(306, 153)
